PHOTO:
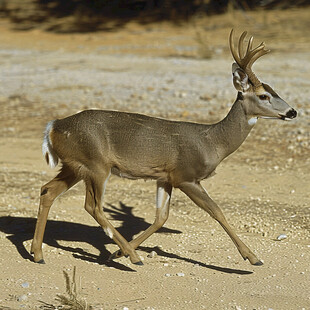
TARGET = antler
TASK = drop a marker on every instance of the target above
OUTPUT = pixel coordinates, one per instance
(246, 59)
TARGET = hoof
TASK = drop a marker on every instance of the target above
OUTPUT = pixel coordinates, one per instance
(115, 255)
(111, 257)
(139, 263)
(41, 261)
(259, 263)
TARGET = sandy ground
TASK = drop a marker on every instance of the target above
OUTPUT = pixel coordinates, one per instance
(190, 263)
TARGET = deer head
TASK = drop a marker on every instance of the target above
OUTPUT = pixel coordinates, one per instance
(260, 100)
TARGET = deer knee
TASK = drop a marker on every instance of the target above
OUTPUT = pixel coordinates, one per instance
(47, 196)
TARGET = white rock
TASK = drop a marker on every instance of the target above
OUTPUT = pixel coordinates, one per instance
(22, 298)
(152, 254)
(281, 237)
(25, 285)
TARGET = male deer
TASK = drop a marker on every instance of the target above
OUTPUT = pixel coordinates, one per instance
(94, 144)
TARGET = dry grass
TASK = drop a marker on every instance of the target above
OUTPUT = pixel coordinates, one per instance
(204, 50)
(72, 301)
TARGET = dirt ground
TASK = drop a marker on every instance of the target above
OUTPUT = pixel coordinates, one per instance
(162, 70)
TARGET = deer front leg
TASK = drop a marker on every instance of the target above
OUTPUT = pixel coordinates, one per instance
(200, 197)
(163, 196)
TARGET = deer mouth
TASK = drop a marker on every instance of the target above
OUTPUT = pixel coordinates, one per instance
(289, 115)
(284, 118)
(280, 116)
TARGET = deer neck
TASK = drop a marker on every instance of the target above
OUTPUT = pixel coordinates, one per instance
(233, 129)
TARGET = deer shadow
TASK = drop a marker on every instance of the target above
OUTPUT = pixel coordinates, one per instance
(21, 229)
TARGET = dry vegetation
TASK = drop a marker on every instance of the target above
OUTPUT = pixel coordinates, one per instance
(72, 301)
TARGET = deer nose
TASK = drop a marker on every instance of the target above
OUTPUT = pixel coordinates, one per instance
(291, 113)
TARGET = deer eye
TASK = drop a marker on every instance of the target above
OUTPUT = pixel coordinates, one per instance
(263, 97)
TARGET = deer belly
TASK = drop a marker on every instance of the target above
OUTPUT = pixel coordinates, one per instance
(140, 173)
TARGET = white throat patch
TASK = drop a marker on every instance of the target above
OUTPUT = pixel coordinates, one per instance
(252, 121)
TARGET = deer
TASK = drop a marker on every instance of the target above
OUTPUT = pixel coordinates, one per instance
(94, 144)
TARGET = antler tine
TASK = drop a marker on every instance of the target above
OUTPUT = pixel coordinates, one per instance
(240, 45)
(249, 45)
(257, 55)
(249, 56)
(232, 48)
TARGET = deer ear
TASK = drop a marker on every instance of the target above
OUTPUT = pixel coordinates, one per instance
(240, 79)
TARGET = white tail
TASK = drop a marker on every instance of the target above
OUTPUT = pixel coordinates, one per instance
(94, 144)
(47, 148)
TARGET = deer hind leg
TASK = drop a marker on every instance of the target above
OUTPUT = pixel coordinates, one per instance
(49, 192)
(200, 197)
(95, 187)
(163, 196)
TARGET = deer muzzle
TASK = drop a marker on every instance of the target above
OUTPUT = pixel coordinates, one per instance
(290, 114)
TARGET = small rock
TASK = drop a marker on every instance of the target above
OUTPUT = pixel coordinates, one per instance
(25, 285)
(281, 237)
(180, 94)
(22, 298)
(152, 254)
(205, 97)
